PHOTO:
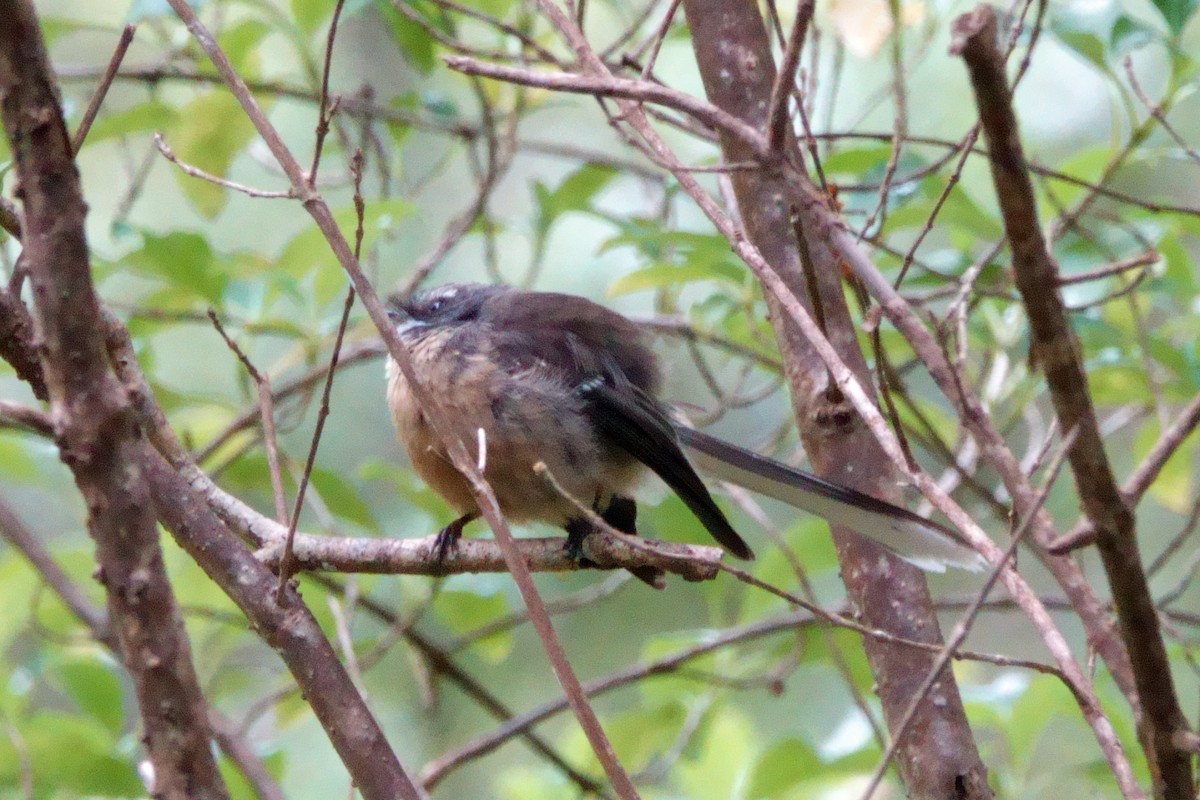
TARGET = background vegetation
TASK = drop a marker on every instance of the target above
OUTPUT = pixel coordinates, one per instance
(719, 689)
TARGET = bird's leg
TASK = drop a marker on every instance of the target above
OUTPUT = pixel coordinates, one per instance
(448, 536)
(621, 513)
(576, 529)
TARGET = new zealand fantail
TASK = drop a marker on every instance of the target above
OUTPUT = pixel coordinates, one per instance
(559, 379)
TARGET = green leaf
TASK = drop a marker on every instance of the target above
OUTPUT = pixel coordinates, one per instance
(414, 42)
(151, 115)
(17, 584)
(211, 131)
(239, 786)
(1043, 701)
(70, 756)
(343, 499)
(717, 769)
(808, 535)
(239, 41)
(960, 213)
(185, 261)
(407, 485)
(15, 462)
(574, 193)
(1176, 13)
(307, 255)
(308, 14)
(1128, 35)
(1179, 277)
(782, 766)
(463, 612)
(534, 783)
(1088, 45)
(857, 160)
(645, 732)
(1088, 29)
(93, 686)
(663, 275)
(1173, 485)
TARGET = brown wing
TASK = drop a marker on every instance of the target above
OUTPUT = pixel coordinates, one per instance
(604, 358)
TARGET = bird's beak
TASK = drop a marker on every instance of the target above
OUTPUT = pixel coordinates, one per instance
(403, 322)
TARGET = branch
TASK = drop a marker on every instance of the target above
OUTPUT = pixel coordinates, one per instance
(288, 627)
(224, 732)
(785, 79)
(16, 343)
(20, 537)
(185, 498)
(963, 627)
(832, 230)
(106, 80)
(605, 85)
(94, 425)
(419, 556)
(1058, 350)
(31, 419)
(1143, 476)
(442, 662)
(436, 771)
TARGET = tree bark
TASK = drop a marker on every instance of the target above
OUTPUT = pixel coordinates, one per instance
(94, 426)
(937, 757)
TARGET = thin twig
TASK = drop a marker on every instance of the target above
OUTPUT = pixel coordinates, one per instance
(106, 80)
(266, 407)
(1156, 111)
(287, 561)
(660, 35)
(324, 111)
(196, 172)
(785, 79)
(899, 94)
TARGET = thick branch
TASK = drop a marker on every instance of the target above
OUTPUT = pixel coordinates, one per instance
(734, 56)
(288, 627)
(94, 425)
(1057, 349)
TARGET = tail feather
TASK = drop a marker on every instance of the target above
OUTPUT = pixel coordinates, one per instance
(910, 536)
(640, 428)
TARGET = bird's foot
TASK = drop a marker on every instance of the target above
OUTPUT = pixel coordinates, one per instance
(447, 538)
(577, 529)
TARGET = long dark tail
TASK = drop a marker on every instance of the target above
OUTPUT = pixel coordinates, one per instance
(910, 536)
(638, 425)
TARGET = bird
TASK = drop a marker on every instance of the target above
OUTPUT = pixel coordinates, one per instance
(559, 379)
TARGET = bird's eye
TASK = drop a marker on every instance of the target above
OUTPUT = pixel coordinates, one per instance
(436, 304)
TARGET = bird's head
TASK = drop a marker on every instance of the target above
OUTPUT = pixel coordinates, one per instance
(438, 308)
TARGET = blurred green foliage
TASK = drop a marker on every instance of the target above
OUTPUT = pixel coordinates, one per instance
(570, 208)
